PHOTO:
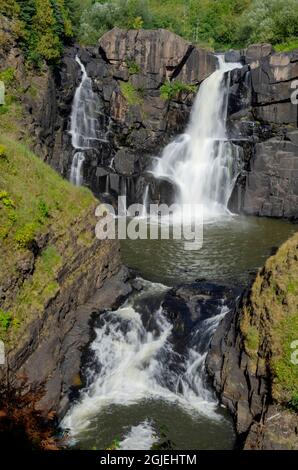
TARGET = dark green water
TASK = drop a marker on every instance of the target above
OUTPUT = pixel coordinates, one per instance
(232, 248)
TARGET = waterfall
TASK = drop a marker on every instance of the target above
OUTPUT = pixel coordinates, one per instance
(76, 168)
(136, 363)
(145, 201)
(87, 124)
(199, 163)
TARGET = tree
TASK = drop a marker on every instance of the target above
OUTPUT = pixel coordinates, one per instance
(47, 43)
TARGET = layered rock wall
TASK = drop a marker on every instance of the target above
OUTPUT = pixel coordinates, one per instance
(262, 118)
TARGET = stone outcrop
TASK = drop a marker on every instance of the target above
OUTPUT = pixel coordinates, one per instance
(262, 118)
(250, 356)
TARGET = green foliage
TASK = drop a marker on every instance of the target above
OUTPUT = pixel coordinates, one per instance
(50, 258)
(293, 403)
(133, 67)
(7, 76)
(3, 152)
(6, 200)
(137, 23)
(5, 320)
(114, 445)
(131, 94)
(252, 340)
(286, 372)
(272, 21)
(163, 442)
(9, 8)
(43, 210)
(43, 27)
(171, 90)
(99, 17)
(3, 155)
(25, 235)
(213, 23)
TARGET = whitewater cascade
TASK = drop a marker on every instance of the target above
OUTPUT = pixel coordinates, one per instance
(199, 163)
(87, 124)
(137, 363)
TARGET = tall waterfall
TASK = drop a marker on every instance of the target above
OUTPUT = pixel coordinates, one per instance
(199, 163)
(87, 124)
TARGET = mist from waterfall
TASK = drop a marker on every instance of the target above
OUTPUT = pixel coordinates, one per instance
(87, 126)
(200, 163)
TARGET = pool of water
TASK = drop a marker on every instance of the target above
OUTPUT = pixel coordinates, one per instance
(233, 248)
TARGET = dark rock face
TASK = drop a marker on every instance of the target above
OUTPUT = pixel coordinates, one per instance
(263, 120)
(234, 56)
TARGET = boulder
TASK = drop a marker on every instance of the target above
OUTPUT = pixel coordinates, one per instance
(233, 56)
(254, 52)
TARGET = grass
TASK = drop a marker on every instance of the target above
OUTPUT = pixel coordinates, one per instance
(132, 67)
(131, 94)
(172, 90)
(287, 46)
(35, 203)
(7, 76)
(271, 318)
(285, 333)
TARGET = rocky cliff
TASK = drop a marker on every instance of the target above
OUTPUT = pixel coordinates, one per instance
(252, 356)
(262, 120)
(54, 272)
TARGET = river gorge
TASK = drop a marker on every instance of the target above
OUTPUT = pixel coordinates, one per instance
(141, 376)
(141, 343)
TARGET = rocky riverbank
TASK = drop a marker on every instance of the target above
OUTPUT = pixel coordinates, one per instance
(251, 356)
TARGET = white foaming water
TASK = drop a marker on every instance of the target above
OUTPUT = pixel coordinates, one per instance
(134, 366)
(145, 201)
(76, 168)
(141, 437)
(87, 124)
(199, 163)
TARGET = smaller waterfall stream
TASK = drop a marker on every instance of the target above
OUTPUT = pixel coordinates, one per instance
(87, 124)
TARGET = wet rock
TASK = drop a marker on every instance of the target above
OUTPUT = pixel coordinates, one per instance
(189, 304)
(125, 162)
(255, 52)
